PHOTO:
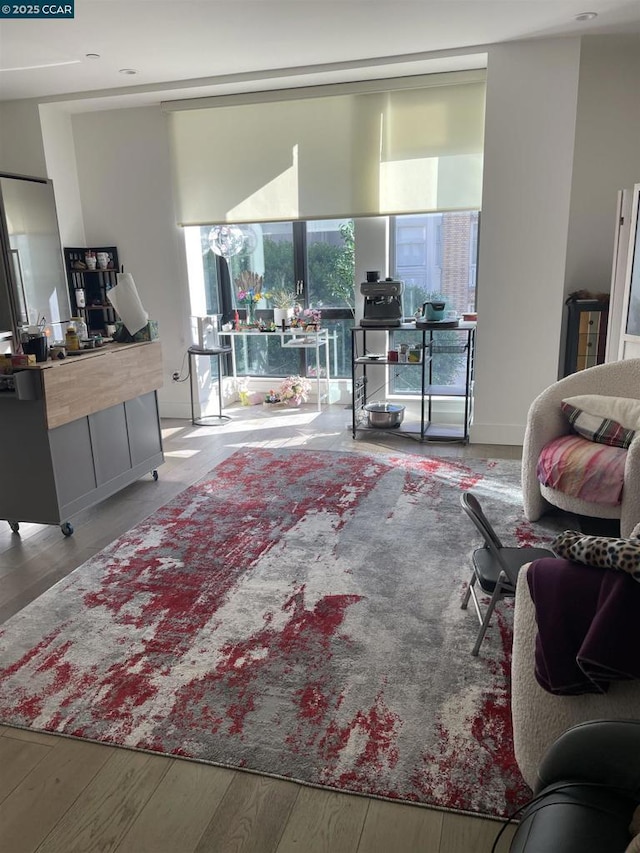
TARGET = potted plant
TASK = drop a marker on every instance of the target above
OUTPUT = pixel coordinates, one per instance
(283, 304)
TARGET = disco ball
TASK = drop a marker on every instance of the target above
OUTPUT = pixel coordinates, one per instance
(226, 240)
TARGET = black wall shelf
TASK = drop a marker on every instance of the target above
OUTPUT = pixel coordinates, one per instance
(90, 286)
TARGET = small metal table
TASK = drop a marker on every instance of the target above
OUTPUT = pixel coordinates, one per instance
(194, 352)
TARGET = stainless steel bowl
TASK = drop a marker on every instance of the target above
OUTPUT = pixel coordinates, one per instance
(384, 415)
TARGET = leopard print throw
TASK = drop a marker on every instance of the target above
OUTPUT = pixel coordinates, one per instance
(604, 552)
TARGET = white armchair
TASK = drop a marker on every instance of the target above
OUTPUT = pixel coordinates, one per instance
(546, 421)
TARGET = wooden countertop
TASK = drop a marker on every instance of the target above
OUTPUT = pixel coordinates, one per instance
(106, 349)
(78, 386)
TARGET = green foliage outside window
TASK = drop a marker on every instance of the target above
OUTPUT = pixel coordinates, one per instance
(278, 265)
(332, 271)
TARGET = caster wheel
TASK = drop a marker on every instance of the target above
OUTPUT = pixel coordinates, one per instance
(154, 474)
(15, 527)
(66, 528)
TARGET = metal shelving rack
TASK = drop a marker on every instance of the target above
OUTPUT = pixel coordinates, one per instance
(97, 311)
(424, 429)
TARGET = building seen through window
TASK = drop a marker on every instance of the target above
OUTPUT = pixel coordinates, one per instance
(435, 256)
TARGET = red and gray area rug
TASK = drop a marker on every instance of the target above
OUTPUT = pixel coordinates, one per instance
(296, 613)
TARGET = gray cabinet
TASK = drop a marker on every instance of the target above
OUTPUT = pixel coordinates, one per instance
(143, 427)
(72, 459)
(110, 443)
(56, 473)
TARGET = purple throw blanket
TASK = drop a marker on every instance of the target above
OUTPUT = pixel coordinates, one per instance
(588, 626)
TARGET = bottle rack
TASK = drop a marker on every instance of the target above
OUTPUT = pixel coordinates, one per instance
(97, 311)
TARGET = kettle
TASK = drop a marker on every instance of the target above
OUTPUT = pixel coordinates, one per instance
(433, 311)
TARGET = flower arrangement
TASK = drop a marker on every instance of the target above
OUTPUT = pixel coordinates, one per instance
(249, 282)
(293, 391)
(312, 316)
(247, 297)
(283, 299)
(250, 291)
(304, 317)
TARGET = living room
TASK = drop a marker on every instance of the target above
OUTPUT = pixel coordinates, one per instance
(561, 117)
(561, 130)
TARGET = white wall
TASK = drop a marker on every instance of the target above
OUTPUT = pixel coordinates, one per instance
(21, 148)
(60, 156)
(529, 138)
(606, 158)
(125, 177)
(607, 154)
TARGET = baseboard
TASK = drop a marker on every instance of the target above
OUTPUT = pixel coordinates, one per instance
(173, 409)
(497, 434)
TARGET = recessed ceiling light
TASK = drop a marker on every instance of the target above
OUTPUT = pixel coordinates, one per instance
(128, 71)
(92, 55)
(586, 16)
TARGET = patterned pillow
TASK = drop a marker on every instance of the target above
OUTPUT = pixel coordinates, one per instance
(596, 427)
(604, 552)
(624, 410)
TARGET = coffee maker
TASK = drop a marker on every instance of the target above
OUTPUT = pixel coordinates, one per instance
(382, 301)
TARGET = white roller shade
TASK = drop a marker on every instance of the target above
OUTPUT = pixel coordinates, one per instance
(331, 152)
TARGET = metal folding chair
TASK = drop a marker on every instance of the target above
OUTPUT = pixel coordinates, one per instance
(495, 568)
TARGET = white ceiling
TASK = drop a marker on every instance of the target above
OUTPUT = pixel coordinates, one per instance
(210, 46)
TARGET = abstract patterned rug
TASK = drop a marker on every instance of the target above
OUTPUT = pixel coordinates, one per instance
(296, 613)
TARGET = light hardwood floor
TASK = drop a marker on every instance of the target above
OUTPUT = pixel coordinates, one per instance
(59, 795)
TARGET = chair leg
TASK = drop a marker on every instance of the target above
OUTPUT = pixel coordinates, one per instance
(487, 618)
(467, 595)
(476, 606)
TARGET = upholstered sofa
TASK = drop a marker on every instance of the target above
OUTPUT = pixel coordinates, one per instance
(546, 422)
(540, 717)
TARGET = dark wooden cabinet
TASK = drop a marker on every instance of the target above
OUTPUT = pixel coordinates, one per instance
(586, 334)
(88, 287)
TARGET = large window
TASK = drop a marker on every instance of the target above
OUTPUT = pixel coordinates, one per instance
(311, 261)
(390, 150)
(435, 254)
